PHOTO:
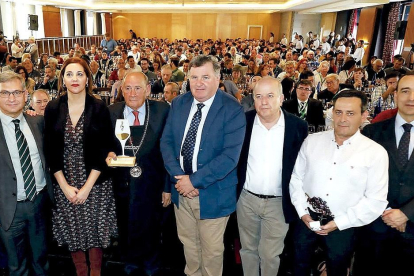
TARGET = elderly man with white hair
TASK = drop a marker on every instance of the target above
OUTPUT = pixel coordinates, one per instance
(32, 50)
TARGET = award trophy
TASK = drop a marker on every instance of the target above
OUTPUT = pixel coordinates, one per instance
(122, 132)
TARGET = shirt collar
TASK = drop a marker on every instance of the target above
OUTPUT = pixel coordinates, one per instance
(280, 122)
(208, 103)
(8, 120)
(399, 121)
(348, 141)
(140, 110)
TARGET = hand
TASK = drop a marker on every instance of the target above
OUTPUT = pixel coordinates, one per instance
(193, 194)
(82, 195)
(70, 192)
(184, 185)
(329, 227)
(307, 219)
(46, 79)
(166, 199)
(110, 156)
(402, 227)
(31, 112)
(394, 218)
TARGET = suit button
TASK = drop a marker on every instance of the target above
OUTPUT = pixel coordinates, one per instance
(199, 164)
(200, 149)
(401, 184)
(13, 194)
(14, 178)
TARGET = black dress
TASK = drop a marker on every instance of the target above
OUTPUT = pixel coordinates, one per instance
(91, 224)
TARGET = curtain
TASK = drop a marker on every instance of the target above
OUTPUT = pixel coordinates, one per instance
(389, 43)
(352, 24)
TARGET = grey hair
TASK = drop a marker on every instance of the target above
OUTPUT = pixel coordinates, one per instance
(174, 87)
(201, 60)
(10, 76)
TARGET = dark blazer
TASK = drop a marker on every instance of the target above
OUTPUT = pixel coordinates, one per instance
(314, 115)
(153, 179)
(8, 186)
(296, 130)
(219, 151)
(401, 180)
(97, 134)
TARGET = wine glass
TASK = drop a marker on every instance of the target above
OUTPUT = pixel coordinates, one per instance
(122, 132)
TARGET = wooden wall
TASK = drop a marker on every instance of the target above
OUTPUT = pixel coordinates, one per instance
(366, 29)
(328, 22)
(193, 25)
(51, 21)
(286, 25)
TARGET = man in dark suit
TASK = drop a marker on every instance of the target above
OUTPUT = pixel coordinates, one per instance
(304, 107)
(200, 146)
(139, 197)
(264, 210)
(23, 177)
(387, 244)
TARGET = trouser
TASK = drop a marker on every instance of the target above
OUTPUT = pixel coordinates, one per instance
(25, 240)
(384, 251)
(202, 239)
(339, 246)
(262, 229)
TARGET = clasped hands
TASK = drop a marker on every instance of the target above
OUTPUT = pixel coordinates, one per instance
(395, 218)
(76, 196)
(325, 229)
(185, 187)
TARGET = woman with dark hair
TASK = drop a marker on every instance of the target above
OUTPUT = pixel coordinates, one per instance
(78, 137)
(43, 62)
(358, 80)
(347, 71)
(30, 83)
(5, 60)
(263, 70)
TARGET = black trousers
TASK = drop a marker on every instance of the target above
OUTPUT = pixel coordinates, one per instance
(384, 251)
(25, 240)
(339, 246)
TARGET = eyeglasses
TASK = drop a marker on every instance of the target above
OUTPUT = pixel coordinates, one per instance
(6, 94)
(304, 89)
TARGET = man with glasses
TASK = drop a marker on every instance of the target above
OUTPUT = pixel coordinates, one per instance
(40, 99)
(25, 181)
(304, 107)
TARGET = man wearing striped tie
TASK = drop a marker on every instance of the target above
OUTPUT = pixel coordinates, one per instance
(24, 181)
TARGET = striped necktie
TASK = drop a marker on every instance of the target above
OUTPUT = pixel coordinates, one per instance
(26, 162)
(302, 110)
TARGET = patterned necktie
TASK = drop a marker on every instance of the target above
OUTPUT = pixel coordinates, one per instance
(136, 121)
(404, 145)
(302, 110)
(188, 146)
(26, 162)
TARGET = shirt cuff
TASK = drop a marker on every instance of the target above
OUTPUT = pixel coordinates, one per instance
(342, 222)
(302, 210)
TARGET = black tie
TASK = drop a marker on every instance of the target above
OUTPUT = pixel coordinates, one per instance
(188, 146)
(404, 145)
(26, 162)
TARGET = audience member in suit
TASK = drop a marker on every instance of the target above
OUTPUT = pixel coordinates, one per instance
(387, 244)
(304, 107)
(201, 145)
(97, 75)
(332, 87)
(287, 85)
(331, 164)
(264, 210)
(171, 90)
(139, 197)
(25, 182)
(248, 102)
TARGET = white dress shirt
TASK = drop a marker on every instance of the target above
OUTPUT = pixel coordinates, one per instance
(10, 135)
(399, 131)
(326, 47)
(358, 54)
(351, 178)
(264, 163)
(131, 117)
(204, 113)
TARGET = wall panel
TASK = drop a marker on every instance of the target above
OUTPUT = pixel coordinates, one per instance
(51, 21)
(366, 29)
(193, 25)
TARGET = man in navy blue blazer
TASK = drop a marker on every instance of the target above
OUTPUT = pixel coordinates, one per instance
(201, 145)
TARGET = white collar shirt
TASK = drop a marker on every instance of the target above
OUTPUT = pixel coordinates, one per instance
(399, 131)
(265, 159)
(131, 117)
(351, 178)
(204, 113)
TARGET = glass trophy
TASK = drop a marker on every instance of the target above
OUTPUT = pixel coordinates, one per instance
(122, 132)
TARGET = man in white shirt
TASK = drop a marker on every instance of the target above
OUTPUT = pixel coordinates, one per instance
(326, 47)
(359, 52)
(264, 210)
(341, 179)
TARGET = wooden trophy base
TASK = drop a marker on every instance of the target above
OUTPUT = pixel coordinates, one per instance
(122, 161)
